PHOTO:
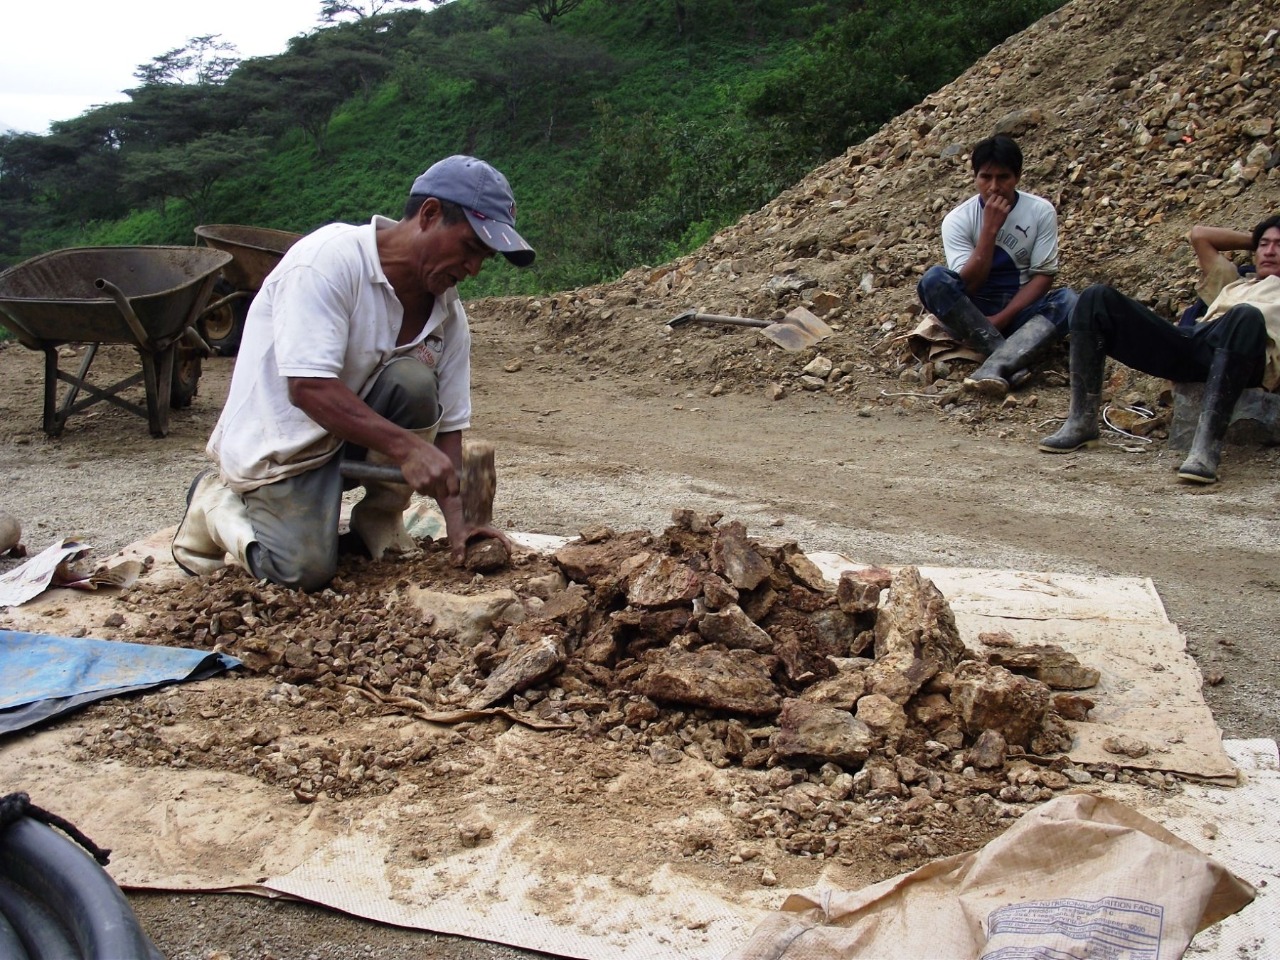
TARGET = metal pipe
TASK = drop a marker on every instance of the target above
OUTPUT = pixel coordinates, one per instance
(126, 308)
(362, 470)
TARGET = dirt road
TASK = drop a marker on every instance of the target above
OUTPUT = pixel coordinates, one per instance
(878, 482)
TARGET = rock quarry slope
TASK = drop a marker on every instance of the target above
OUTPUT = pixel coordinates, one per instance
(1137, 119)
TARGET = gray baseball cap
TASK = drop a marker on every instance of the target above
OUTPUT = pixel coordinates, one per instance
(486, 197)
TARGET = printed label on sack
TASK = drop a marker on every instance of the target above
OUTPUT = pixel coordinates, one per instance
(1114, 928)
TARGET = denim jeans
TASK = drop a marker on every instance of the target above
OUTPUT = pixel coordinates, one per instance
(941, 289)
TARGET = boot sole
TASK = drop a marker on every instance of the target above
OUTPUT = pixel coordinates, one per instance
(191, 492)
(994, 388)
(1044, 448)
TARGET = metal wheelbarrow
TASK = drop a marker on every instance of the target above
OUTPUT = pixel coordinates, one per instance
(255, 251)
(149, 297)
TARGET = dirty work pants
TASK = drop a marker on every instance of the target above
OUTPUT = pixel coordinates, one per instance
(1146, 341)
(295, 520)
(941, 289)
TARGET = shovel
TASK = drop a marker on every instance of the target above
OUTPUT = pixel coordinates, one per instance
(797, 330)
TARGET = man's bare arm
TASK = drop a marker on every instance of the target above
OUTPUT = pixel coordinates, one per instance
(978, 267)
(1210, 243)
(1027, 294)
(336, 408)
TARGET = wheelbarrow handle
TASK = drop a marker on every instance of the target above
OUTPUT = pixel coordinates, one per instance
(363, 470)
(126, 309)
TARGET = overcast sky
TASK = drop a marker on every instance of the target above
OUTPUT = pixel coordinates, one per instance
(58, 58)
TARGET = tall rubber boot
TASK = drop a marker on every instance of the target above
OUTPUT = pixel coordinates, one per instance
(215, 526)
(972, 326)
(378, 519)
(1020, 349)
(1088, 359)
(1228, 376)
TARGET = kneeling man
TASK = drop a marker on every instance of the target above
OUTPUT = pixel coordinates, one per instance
(357, 347)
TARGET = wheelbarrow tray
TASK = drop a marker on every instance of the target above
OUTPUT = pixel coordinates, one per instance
(143, 296)
(255, 251)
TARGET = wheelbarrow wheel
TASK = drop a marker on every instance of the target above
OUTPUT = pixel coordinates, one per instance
(222, 328)
(187, 368)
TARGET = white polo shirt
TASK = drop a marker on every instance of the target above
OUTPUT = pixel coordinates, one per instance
(327, 310)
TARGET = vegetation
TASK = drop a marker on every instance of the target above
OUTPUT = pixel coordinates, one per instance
(630, 129)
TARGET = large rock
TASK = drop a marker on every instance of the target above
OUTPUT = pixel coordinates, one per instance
(468, 618)
(663, 582)
(600, 564)
(734, 558)
(641, 629)
(858, 591)
(738, 682)
(732, 628)
(1050, 664)
(843, 690)
(803, 570)
(916, 637)
(804, 652)
(839, 632)
(812, 732)
(987, 697)
(886, 719)
(539, 653)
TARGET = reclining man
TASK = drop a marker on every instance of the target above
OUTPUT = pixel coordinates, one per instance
(1236, 344)
(1001, 247)
(357, 347)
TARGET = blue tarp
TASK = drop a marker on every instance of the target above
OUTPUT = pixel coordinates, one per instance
(43, 676)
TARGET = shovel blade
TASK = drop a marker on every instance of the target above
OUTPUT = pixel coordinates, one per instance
(797, 330)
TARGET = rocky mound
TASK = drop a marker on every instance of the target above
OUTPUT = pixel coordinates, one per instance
(700, 643)
(1137, 120)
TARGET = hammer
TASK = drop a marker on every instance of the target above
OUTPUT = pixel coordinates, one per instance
(478, 481)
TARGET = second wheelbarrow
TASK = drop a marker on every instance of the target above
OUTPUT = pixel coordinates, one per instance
(255, 251)
(148, 297)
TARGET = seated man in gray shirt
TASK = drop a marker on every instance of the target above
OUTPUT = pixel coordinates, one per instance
(994, 293)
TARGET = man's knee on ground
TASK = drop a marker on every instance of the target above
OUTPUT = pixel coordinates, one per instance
(306, 574)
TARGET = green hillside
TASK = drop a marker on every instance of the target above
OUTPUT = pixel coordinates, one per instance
(631, 130)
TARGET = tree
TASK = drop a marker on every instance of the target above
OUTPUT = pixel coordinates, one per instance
(305, 86)
(879, 60)
(333, 11)
(544, 10)
(526, 65)
(201, 61)
(190, 171)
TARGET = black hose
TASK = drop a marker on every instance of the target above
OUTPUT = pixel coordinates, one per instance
(74, 894)
(10, 944)
(40, 934)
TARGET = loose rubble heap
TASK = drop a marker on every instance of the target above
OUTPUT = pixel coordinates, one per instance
(1137, 120)
(697, 643)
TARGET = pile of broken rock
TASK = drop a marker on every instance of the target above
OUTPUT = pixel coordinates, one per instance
(700, 642)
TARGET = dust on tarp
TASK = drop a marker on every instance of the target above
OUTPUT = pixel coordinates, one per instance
(1079, 876)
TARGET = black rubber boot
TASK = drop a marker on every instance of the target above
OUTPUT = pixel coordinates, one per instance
(1228, 376)
(1020, 349)
(972, 326)
(1088, 359)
